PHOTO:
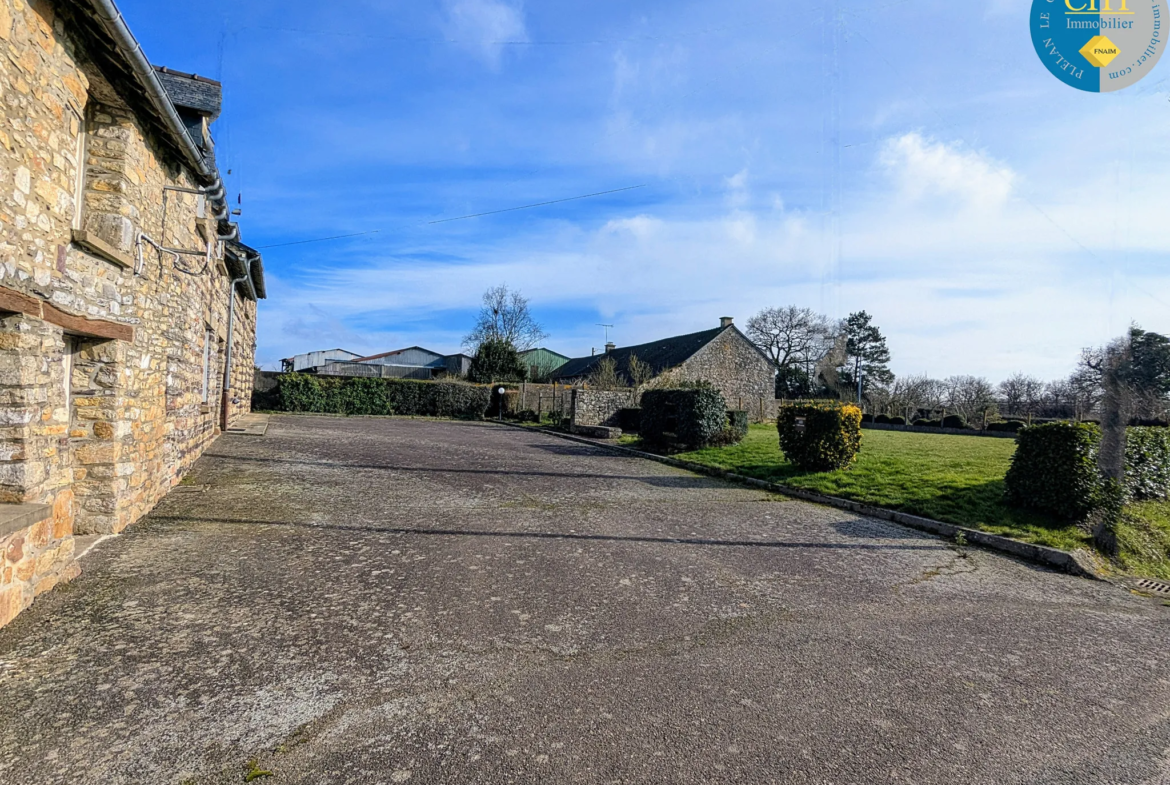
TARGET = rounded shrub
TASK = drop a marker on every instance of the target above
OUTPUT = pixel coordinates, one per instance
(737, 425)
(928, 423)
(882, 419)
(897, 421)
(957, 421)
(820, 436)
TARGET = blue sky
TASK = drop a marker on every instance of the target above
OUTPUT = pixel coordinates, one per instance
(912, 158)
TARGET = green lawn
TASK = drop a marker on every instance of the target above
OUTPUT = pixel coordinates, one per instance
(958, 479)
(1145, 540)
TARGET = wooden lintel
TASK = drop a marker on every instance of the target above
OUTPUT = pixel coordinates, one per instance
(12, 301)
(94, 328)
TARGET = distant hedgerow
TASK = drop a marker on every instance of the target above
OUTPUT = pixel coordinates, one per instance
(299, 392)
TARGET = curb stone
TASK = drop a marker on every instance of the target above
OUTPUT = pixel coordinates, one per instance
(1075, 563)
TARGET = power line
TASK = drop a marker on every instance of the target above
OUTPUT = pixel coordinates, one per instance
(318, 240)
(538, 204)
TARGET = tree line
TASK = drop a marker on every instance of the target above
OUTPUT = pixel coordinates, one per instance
(818, 357)
(849, 359)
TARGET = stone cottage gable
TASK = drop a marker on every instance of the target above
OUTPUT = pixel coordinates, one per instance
(723, 357)
(734, 365)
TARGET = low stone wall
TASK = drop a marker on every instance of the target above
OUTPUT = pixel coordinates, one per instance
(600, 407)
(597, 431)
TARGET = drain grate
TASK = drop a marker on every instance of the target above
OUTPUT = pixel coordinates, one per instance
(1160, 588)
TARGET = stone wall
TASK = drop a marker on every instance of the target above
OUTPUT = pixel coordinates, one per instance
(600, 407)
(104, 343)
(36, 553)
(736, 368)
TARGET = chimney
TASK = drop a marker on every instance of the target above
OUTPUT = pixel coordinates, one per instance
(592, 351)
(609, 347)
(726, 321)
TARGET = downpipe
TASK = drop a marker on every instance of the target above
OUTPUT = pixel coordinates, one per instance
(225, 402)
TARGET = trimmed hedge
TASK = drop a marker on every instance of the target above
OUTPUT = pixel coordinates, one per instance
(1147, 462)
(300, 392)
(691, 418)
(1011, 426)
(897, 421)
(630, 420)
(830, 438)
(928, 423)
(956, 421)
(1054, 469)
(737, 424)
(882, 419)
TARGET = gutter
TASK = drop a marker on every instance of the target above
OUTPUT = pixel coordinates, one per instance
(128, 44)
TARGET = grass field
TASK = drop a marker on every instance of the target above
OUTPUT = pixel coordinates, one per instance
(958, 479)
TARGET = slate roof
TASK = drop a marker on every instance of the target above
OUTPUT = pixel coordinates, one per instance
(114, 61)
(659, 355)
(243, 260)
(189, 91)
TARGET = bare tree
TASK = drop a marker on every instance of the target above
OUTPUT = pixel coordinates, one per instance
(908, 394)
(505, 316)
(971, 396)
(605, 376)
(640, 371)
(1021, 394)
(792, 336)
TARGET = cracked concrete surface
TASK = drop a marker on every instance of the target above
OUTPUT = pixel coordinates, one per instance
(386, 601)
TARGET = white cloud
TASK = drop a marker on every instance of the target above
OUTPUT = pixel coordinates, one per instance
(639, 226)
(486, 27)
(926, 168)
(964, 273)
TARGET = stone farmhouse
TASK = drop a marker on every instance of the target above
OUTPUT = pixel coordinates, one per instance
(127, 301)
(722, 356)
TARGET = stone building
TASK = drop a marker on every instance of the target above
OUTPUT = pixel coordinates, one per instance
(723, 356)
(127, 301)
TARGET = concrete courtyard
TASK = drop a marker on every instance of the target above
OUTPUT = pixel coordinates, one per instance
(387, 601)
